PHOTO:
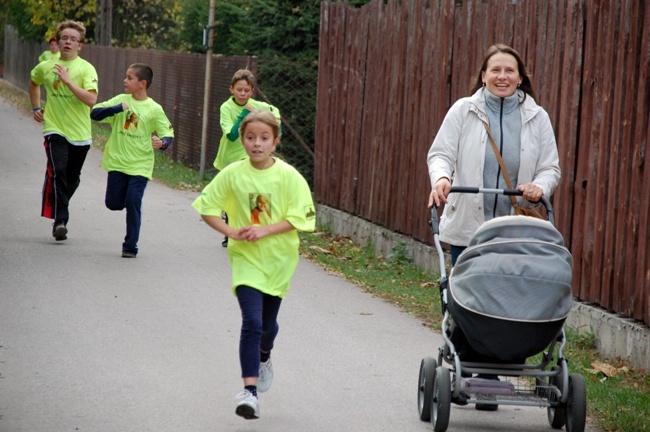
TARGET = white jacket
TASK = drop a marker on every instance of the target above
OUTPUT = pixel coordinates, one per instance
(458, 153)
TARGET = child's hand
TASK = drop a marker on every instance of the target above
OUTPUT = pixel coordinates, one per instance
(125, 106)
(156, 142)
(62, 72)
(38, 115)
(252, 233)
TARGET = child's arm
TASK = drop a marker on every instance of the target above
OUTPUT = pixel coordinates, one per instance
(234, 131)
(161, 143)
(247, 233)
(218, 224)
(88, 97)
(257, 232)
(101, 113)
(35, 97)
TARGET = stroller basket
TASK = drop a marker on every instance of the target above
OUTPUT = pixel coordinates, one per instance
(510, 290)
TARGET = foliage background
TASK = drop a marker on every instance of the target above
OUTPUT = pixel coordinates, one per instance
(282, 34)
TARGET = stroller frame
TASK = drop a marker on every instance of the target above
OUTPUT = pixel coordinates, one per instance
(546, 384)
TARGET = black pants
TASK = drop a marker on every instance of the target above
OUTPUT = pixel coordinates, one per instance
(62, 176)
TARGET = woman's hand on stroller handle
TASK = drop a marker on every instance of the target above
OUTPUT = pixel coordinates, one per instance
(439, 192)
(438, 197)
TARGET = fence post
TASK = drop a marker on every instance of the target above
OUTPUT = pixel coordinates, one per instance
(206, 94)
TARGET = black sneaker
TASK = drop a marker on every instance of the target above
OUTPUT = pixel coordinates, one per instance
(224, 243)
(484, 406)
(128, 254)
(59, 232)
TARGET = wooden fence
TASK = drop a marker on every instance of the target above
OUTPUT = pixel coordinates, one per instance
(389, 71)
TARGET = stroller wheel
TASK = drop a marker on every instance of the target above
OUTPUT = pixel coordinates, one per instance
(425, 387)
(556, 416)
(576, 404)
(441, 406)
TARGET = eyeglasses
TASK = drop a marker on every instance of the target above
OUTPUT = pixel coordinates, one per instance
(69, 39)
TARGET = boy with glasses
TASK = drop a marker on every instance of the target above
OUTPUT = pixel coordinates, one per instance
(71, 86)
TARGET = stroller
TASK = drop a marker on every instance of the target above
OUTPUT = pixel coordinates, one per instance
(506, 300)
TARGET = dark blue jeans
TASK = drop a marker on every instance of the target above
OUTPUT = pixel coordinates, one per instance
(259, 327)
(125, 191)
(455, 253)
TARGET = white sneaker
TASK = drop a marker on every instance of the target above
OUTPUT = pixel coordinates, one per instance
(265, 379)
(249, 406)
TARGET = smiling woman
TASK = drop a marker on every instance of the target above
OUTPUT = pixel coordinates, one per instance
(501, 76)
(502, 104)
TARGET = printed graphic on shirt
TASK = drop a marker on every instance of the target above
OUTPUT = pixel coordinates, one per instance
(260, 205)
(309, 213)
(131, 120)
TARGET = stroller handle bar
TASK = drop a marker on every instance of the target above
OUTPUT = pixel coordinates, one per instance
(435, 220)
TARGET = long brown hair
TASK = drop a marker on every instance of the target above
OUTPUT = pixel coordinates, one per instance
(526, 82)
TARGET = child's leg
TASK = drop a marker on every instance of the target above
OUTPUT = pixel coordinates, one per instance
(133, 205)
(269, 332)
(76, 158)
(270, 325)
(55, 196)
(251, 303)
(116, 186)
(224, 216)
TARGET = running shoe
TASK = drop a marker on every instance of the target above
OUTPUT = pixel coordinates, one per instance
(248, 406)
(59, 231)
(266, 376)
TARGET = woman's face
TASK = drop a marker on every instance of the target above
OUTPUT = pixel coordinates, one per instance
(501, 75)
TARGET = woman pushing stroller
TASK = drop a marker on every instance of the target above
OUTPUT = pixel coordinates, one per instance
(500, 114)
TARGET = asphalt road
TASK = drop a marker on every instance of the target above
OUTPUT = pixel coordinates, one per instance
(90, 341)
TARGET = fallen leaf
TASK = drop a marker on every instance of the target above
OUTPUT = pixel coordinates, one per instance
(606, 369)
(320, 249)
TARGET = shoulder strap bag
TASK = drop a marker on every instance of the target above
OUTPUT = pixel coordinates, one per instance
(518, 209)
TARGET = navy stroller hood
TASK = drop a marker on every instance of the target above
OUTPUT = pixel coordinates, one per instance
(513, 278)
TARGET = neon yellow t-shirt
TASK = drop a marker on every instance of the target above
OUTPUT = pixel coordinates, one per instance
(129, 148)
(65, 114)
(231, 114)
(48, 55)
(268, 264)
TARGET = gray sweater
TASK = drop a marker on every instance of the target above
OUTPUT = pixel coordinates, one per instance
(505, 126)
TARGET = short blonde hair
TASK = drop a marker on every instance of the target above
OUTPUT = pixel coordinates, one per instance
(75, 25)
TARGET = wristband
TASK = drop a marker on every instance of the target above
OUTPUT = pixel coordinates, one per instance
(36, 109)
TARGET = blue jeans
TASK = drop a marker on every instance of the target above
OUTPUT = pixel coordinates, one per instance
(125, 191)
(455, 253)
(259, 327)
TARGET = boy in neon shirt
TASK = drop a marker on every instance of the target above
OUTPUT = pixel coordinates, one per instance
(52, 53)
(137, 122)
(71, 86)
(231, 114)
(264, 256)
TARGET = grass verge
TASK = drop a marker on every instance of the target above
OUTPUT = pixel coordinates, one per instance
(618, 396)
